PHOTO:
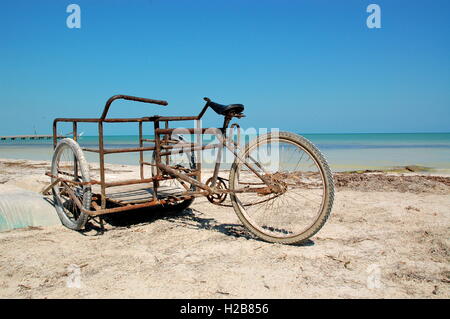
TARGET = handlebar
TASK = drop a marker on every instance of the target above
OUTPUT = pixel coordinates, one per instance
(130, 98)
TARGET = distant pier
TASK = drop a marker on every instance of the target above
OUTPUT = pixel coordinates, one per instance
(28, 137)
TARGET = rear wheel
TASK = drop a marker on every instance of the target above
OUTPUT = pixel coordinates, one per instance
(168, 189)
(69, 163)
(304, 183)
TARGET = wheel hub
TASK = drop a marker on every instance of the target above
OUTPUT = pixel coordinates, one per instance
(278, 185)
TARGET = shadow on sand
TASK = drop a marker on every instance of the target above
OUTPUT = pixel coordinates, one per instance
(188, 217)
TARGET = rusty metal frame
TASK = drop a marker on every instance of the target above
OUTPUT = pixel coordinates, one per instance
(163, 147)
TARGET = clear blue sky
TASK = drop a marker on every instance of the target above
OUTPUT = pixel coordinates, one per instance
(314, 61)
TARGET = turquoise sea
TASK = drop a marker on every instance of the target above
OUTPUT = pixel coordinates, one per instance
(344, 152)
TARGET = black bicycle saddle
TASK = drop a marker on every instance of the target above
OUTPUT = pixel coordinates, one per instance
(226, 109)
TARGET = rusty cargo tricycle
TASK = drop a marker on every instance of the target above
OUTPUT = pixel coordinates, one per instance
(279, 184)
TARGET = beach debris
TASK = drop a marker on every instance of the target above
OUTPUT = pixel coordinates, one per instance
(435, 290)
(416, 168)
(345, 261)
(366, 182)
(46, 239)
(33, 228)
(22, 286)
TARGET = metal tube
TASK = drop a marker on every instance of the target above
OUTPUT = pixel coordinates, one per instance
(55, 133)
(197, 148)
(128, 150)
(90, 150)
(92, 182)
(209, 130)
(178, 118)
(157, 156)
(166, 140)
(125, 208)
(75, 162)
(141, 153)
(217, 166)
(119, 150)
(184, 177)
(102, 164)
(142, 181)
(198, 158)
(131, 98)
(113, 120)
(76, 120)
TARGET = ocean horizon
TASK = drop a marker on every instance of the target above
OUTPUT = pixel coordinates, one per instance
(344, 151)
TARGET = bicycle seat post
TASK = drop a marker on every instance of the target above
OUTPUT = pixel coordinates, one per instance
(226, 122)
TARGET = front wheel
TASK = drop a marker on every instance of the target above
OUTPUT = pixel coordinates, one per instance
(304, 187)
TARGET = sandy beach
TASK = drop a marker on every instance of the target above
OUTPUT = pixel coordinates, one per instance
(387, 237)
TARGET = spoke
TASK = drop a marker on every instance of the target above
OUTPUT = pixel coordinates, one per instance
(298, 171)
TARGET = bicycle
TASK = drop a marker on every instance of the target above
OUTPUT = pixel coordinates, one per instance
(279, 184)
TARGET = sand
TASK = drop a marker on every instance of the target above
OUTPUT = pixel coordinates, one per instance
(387, 237)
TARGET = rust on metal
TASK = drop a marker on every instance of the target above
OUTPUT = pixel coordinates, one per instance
(162, 145)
